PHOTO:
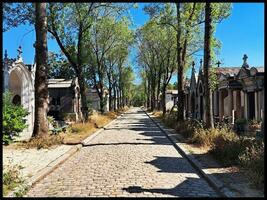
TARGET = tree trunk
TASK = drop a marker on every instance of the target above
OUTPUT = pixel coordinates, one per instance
(84, 108)
(109, 93)
(102, 99)
(180, 74)
(148, 93)
(118, 99)
(153, 86)
(158, 90)
(40, 85)
(164, 99)
(115, 98)
(207, 64)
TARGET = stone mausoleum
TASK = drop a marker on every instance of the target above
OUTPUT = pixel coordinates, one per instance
(64, 96)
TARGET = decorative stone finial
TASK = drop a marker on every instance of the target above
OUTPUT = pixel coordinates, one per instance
(5, 54)
(193, 67)
(19, 53)
(218, 63)
(245, 64)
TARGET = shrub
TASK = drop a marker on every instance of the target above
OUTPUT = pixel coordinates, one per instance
(240, 121)
(187, 128)
(170, 119)
(227, 146)
(252, 158)
(11, 178)
(13, 119)
(254, 124)
(69, 117)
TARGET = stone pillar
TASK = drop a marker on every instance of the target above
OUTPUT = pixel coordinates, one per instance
(256, 105)
(221, 105)
(230, 104)
(245, 105)
(238, 104)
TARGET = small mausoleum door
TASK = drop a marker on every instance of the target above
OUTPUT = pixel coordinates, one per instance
(251, 105)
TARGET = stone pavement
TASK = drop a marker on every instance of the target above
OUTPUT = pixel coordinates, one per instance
(131, 158)
(32, 160)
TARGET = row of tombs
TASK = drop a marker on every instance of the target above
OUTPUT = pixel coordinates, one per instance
(64, 97)
(239, 94)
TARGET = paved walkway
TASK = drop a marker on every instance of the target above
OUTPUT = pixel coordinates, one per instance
(132, 157)
(32, 160)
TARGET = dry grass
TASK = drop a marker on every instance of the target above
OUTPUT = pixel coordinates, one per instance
(157, 114)
(79, 131)
(46, 141)
(75, 133)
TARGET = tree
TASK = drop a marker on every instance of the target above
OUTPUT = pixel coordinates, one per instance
(108, 47)
(207, 64)
(40, 84)
(59, 67)
(212, 12)
(180, 17)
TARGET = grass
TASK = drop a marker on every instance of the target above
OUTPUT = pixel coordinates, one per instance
(46, 142)
(13, 179)
(226, 146)
(75, 133)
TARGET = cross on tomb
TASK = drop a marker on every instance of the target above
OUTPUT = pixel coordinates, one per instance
(5, 54)
(245, 64)
(218, 63)
(245, 58)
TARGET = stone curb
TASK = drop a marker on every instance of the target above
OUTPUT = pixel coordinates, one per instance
(215, 183)
(61, 159)
(49, 168)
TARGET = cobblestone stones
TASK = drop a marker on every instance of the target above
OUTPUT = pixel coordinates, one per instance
(131, 158)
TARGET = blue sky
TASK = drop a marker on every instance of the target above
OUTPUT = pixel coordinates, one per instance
(241, 33)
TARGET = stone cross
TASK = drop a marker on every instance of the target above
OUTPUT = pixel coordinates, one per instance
(5, 54)
(19, 53)
(245, 64)
(245, 58)
(218, 63)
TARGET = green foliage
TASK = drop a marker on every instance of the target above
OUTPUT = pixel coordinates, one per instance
(59, 67)
(11, 178)
(213, 79)
(226, 147)
(241, 121)
(252, 158)
(13, 119)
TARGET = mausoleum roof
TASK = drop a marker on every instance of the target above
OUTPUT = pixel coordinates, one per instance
(59, 83)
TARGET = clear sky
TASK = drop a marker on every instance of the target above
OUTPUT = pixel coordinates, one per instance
(241, 33)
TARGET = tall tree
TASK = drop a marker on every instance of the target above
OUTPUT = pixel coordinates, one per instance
(207, 66)
(214, 13)
(180, 16)
(40, 85)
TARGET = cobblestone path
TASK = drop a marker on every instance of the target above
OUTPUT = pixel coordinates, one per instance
(131, 158)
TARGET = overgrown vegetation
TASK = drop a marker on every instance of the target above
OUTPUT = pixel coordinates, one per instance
(13, 119)
(226, 146)
(13, 179)
(40, 142)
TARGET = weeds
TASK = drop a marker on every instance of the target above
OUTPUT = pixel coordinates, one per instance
(46, 141)
(12, 179)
